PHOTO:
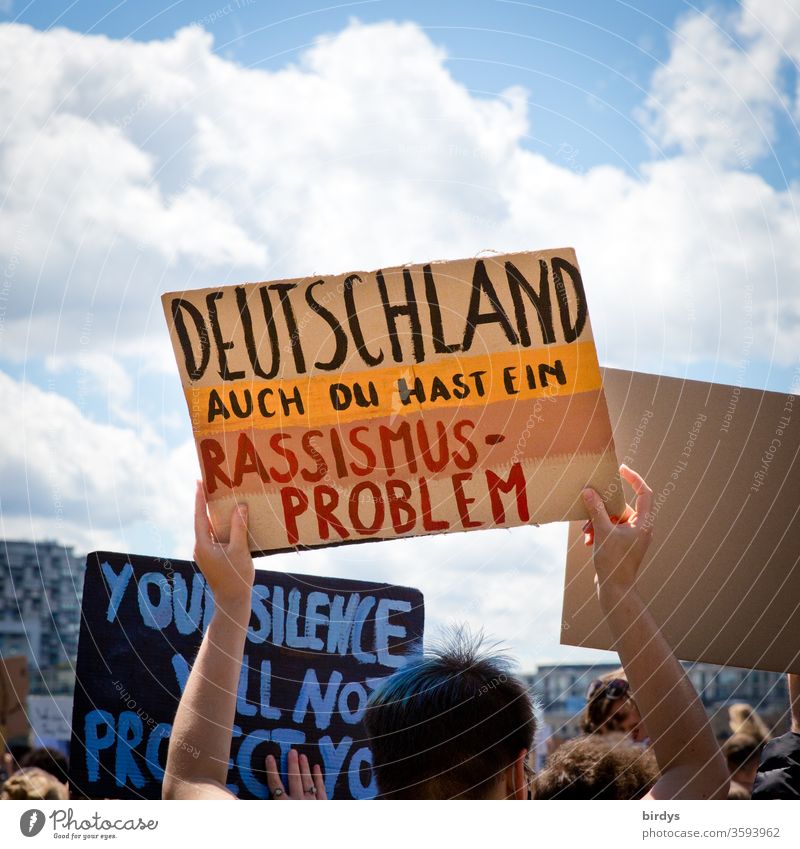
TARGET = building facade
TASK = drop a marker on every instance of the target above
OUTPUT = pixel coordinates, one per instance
(40, 600)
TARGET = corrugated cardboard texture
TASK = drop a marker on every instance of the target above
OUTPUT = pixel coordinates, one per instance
(722, 577)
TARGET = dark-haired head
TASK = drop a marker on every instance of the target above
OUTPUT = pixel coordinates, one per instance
(455, 724)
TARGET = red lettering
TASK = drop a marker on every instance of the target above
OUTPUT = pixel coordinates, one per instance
(212, 457)
(516, 482)
(400, 503)
(288, 455)
(369, 455)
(376, 498)
(428, 522)
(319, 460)
(472, 452)
(247, 461)
(462, 502)
(295, 502)
(326, 499)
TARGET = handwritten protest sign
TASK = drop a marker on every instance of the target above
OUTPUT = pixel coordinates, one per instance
(315, 649)
(50, 718)
(422, 399)
(721, 577)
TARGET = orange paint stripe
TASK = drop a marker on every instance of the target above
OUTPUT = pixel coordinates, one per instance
(578, 361)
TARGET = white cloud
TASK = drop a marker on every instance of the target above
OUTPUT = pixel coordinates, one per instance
(129, 169)
(132, 169)
(67, 477)
(716, 95)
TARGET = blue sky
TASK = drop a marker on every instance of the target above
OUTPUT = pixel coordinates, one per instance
(149, 147)
(586, 65)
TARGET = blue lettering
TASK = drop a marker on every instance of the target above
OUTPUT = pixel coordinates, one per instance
(95, 742)
(384, 630)
(156, 616)
(118, 584)
(130, 732)
(311, 694)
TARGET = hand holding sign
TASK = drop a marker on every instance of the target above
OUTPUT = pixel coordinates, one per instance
(302, 784)
(620, 546)
(228, 567)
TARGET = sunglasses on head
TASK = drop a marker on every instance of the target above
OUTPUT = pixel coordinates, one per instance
(615, 689)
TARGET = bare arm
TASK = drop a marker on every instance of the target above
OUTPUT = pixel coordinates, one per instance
(200, 744)
(689, 759)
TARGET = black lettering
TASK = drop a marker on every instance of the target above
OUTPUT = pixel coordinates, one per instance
(355, 325)
(339, 335)
(194, 369)
(249, 337)
(432, 296)
(497, 315)
(540, 300)
(283, 290)
(394, 311)
(222, 345)
(571, 332)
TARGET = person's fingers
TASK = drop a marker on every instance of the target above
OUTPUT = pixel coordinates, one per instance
(202, 526)
(293, 775)
(644, 496)
(309, 787)
(319, 782)
(238, 538)
(274, 782)
(597, 512)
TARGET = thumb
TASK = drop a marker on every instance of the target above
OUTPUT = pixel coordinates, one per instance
(238, 537)
(597, 512)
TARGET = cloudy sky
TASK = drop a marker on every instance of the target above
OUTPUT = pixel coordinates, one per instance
(145, 149)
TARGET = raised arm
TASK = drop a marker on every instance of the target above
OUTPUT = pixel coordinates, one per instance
(200, 744)
(689, 759)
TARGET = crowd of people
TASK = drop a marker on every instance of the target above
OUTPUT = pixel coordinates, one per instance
(456, 724)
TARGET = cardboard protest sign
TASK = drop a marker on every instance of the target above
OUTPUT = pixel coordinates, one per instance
(722, 577)
(13, 694)
(406, 401)
(315, 649)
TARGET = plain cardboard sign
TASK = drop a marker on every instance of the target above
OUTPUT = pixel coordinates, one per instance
(723, 575)
(423, 399)
(13, 693)
(315, 649)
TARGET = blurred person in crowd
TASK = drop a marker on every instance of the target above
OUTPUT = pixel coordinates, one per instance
(610, 708)
(743, 719)
(50, 760)
(689, 761)
(778, 775)
(742, 752)
(33, 783)
(597, 766)
(207, 707)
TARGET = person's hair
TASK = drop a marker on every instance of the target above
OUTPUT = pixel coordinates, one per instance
(743, 719)
(741, 750)
(604, 766)
(33, 783)
(50, 760)
(446, 725)
(599, 711)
